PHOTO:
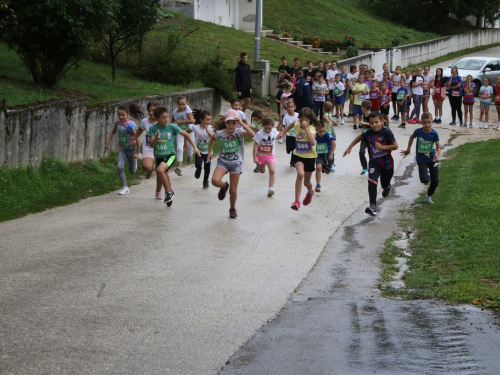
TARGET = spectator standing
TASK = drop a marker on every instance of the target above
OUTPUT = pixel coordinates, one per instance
(244, 80)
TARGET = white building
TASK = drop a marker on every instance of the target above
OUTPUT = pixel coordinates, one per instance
(239, 14)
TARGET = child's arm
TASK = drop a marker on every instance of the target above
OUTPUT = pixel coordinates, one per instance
(353, 143)
(138, 146)
(286, 130)
(327, 120)
(407, 151)
(334, 146)
(190, 140)
(248, 132)
(438, 151)
(341, 93)
(189, 120)
(110, 137)
(154, 139)
(310, 137)
(210, 148)
(393, 146)
(255, 145)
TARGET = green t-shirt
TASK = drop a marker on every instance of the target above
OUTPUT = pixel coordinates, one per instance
(165, 143)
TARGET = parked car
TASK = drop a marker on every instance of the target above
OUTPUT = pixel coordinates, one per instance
(478, 67)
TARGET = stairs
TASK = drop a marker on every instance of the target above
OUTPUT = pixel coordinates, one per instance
(297, 43)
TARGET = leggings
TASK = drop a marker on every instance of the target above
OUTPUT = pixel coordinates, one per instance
(456, 106)
(417, 102)
(318, 109)
(123, 155)
(180, 148)
(202, 161)
(362, 151)
(429, 170)
(375, 172)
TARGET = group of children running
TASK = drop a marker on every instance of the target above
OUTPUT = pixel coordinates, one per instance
(310, 141)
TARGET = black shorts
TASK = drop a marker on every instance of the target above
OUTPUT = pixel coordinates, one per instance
(323, 160)
(385, 110)
(244, 94)
(165, 160)
(309, 163)
(394, 96)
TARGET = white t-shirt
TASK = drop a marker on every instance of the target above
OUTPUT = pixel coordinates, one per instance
(395, 82)
(427, 79)
(201, 137)
(330, 77)
(353, 78)
(321, 88)
(266, 142)
(417, 90)
(145, 125)
(182, 116)
(380, 77)
(287, 120)
(338, 87)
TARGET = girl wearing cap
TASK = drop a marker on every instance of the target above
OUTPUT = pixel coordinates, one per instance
(231, 157)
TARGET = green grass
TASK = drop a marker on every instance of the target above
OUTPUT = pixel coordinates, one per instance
(29, 190)
(450, 56)
(456, 252)
(91, 80)
(337, 19)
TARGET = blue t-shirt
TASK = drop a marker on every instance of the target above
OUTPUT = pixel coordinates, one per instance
(455, 81)
(401, 94)
(381, 157)
(486, 90)
(320, 143)
(426, 148)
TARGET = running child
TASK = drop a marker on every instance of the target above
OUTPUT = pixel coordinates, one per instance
(236, 105)
(381, 143)
(485, 95)
(328, 118)
(468, 100)
(286, 97)
(428, 150)
(385, 102)
(439, 95)
(161, 138)
(360, 91)
(497, 100)
(256, 124)
(129, 149)
(230, 158)
(325, 148)
(182, 116)
(290, 118)
(304, 155)
(203, 132)
(264, 149)
(402, 97)
(364, 125)
(339, 98)
(147, 150)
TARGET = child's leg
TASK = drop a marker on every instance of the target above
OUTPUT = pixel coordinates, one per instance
(341, 108)
(319, 167)
(498, 113)
(161, 172)
(299, 167)
(362, 151)
(373, 177)
(436, 108)
(440, 108)
(355, 119)
(217, 177)
(386, 177)
(466, 112)
(481, 111)
(122, 157)
(271, 166)
(403, 117)
(147, 164)
(206, 167)
(189, 148)
(351, 103)
(487, 113)
(434, 175)
(395, 107)
(180, 149)
(307, 182)
(199, 161)
(132, 162)
(234, 178)
(422, 173)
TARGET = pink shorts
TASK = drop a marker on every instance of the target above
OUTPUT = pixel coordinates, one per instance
(148, 154)
(263, 159)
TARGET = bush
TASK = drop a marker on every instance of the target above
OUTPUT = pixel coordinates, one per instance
(351, 51)
(330, 44)
(349, 41)
(366, 43)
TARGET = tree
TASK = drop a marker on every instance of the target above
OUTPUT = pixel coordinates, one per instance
(128, 22)
(51, 36)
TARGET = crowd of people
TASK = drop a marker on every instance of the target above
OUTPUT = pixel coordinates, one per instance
(311, 102)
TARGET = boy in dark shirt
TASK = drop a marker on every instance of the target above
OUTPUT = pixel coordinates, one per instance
(284, 70)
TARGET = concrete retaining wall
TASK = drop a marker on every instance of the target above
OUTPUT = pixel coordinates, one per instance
(71, 131)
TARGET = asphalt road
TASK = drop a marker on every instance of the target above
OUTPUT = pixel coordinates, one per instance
(124, 285)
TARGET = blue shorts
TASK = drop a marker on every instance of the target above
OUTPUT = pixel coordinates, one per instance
(339, 99)
(357, 110)
(231, 168)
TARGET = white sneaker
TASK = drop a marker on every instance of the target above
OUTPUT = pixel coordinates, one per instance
(428, 199)
(485, 126)
(124, 190)
(480, 125)
(280, 140)
(342, 122)
(497, 128)
(178, 171)
(270, 192)
(470, 126)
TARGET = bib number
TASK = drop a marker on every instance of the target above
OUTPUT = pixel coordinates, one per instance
(424, 147)
(336, 91)
(230, 146)
(455, 93)
(162, 147)
(265, 150)
(321, 148)
(395, 83)
(124, 141)
(184, 127)
(320, 98)
(376, 153)
(361, 96)
(302, 147)
(401, 95)
(437, 90)
(203, 147)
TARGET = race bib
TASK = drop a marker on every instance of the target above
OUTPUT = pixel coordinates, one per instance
(291, 131)
(455, 93)
(361, 96)
(265, 149)
(302, 147)
(424, 147)
(162, 148)
(124, 140)
(203, 147)
(395, 83)
(401, 95)
(497, 98)
(321, 148)
(437, 90)
(374, 95)
(376, 153)
(230, 145)
(184, 127)
(320, 98)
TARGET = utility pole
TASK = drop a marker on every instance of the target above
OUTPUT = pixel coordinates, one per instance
(258, 21)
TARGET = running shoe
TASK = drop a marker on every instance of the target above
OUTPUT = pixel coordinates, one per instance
(461, 124)
(364, 171)
(372, 210)
(233, 214)
(189, 159)
(205, 184)
(428, 199)
(485, 126)
(222, 192)
(256, 170)
(270, 192)
(280, 140)
(317, 189)
(480, 125)
(197, 173)
(168, 198)
(497, 128)
(178, 171)
(402, 126)
(308, 198)
(332, 169)
(394, 117)
(412, 121)
(470, 126)
(159, 195)
(453, 123)
(439, 121)
(295, 206)
(125, 190)
(435, 120)
(355, 126)
(342, 122)
(418, 121)
(385, 192)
